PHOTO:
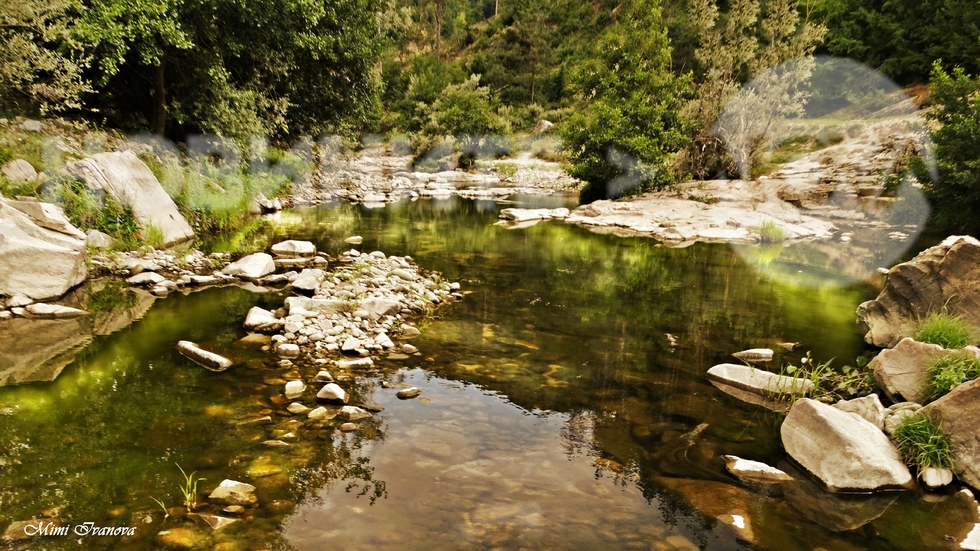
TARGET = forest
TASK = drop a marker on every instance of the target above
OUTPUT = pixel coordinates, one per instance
(633, 86)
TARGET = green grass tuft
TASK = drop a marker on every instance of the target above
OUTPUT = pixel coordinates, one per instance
(950, 371)
(946, 330)
(770, 232)
(922, 442)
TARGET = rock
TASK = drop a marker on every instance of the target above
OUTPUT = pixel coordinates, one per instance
(297, 408)
(287, 350)
(902, 372)
(308, 281)
(378, 307)
(353, 413)
(350, 345)
(935, 479)
(19, 171)
(146, 279)
(409, 349)
(959, 418)
(18, 530)
(844, 451)
(18, 301)
(332, 393)
(129, 181)
(48, 216)
(895, 415)
(294, 389)
(938, 278)
(262, 321)
(527, 215)
(408, 393)
(408, 331)
(234, 509)
(204, 358)
(403, 274)
(36, 261)
(348, 427)
(323, 377)
(183, 537)
(294, 249)
(755, 355)
(753, 471)
(543, 126)
(215, 522)
(358, 363)
(53, 311)
(354, 240)
(868, 408)
(758, 381)
(31, 126)
(232, 492)
(319, 414)
(251, 267)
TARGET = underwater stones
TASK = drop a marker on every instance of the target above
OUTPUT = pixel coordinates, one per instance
(233, 492)
(358, 363)
(204, 358)
(297, 408)
(755, 355)
(353, 413)
(753, 471)
(252, 267)
(262, 321)
(408, 393)
(294, 249)
(332, 392)
(294, 389)
(843, 450)
(348, 427)
(215, 522)
(320, 414)
(183, 537)
(758, 381)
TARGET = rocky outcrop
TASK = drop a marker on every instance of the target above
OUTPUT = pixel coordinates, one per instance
(959, 418)
(128, 180)
(903, 372)
(940, 277)
(35, 260)
(843, 450)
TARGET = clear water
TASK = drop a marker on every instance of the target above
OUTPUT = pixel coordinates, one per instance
(557, 411)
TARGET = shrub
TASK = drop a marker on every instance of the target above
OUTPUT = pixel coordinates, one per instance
(946, 331)
(86, 210)
(770, 232)
(950, 371)
(922, 442)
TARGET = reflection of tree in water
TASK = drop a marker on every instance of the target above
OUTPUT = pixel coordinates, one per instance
(576, 433)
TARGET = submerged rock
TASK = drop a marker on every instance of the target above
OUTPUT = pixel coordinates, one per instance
(759, 382)
(233, 492)
(19, 171)
(204, 358)
(754, 471)
(183, 537)
(408, 393)
(755, 355)
(294, 389)
(843, 450)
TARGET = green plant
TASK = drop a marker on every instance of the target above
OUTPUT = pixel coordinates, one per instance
(770, 232)
(166, 514)
(189, 488)
(949, 371)
(153, 235)
(946, 330)
(830, 385)
(922, 442)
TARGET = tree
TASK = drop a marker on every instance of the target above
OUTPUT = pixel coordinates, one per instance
(629, 117)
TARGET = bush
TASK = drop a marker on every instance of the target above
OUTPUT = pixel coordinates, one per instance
(86, 210)
(946, 331)
(770, 232)
(922, 442)
(949, 371)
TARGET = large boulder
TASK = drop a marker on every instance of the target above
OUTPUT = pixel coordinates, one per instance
(843, 450)
(903, 372)
(129, 181)
(48, 216)
(944, 276)
(19, 171)
(959, 418)
(294, 249)
(36, 261)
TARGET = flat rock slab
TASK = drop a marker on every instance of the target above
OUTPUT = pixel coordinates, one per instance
(124, 176)
(146, 279)
(524, 215)
(759, 382)
(903, 372)
(841, 449)
(754, 471)
(755, 355)
(294, 249)
(251, 267)
(959, 418)
(53, 311)
(204, 358)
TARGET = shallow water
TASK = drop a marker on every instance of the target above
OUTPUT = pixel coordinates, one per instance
(565, 407)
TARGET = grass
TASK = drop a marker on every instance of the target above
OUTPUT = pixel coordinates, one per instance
(922, 442)
(830, 384)
(946, 330)
(189, 488)
(950, 371)
(770, 232)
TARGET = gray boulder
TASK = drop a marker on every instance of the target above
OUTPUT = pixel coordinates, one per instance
(959, 418)
(36, 261)
(261, 320)
(99, 240)
(251, 267)
(902, 372)
(128, 180)
(378, 307)
(944, 276)
(204, 358)
(294, 249)
(19, 171)
(844, 451)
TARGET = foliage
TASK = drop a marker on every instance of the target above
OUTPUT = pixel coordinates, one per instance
(770, 232)
(922, 442)
(830, 385)
(946, 330)
(629, 121)
(113, 295)
(955, 193)
(949, 371)
(188, 488)
(86, 210)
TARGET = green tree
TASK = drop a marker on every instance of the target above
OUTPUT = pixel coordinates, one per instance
(629, 122)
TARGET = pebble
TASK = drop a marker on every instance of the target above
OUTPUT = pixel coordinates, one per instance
(408, 393)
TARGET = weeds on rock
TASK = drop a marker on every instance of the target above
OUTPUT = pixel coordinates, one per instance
(946, 330)
(922, 442)
(950, 371)
(830, 385)
(770, 232)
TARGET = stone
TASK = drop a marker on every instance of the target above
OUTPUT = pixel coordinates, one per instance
(894, 416)
(234, 509)
(319, 414)
(357, 363)
(332, 393)
(935, 479)
(543, 126)
(35, 261)
(409, 349)
(754, 471)
(348, 427)
(354, 240)
(287, 350)
(251, 267)
(902, 372)
(843, 450)
(232, 492)
(514, 215)
(408, 393)
(308, 281)
(297, 408)
(294, 249)
(31, 126)
(755, 355)
(408, 331)
(868, 408)
(294, 389)
(758, 381)
(323, 377)
(182, 537)
(262, 321)
(943, 277)
(18, 530)
(350, 345)
(215, 522)
(128, 180)
(403, 274)
(146, 279)
(959, 417)
(378, 307)
(53, 311)
(48, 216)
(204, 358)
(353, 413)
(19, 171)
(318, 305)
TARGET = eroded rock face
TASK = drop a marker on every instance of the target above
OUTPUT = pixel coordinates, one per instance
(944, 276)
(128, 180)
(843, 450)
(36, 261)
(960, 420)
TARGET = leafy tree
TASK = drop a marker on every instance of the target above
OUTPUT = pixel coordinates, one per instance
(629, 120)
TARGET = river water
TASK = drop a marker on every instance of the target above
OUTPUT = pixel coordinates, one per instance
(564, 406)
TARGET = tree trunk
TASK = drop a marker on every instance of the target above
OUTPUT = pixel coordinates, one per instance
(438, 27)
(159, 93)
(496, 8)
